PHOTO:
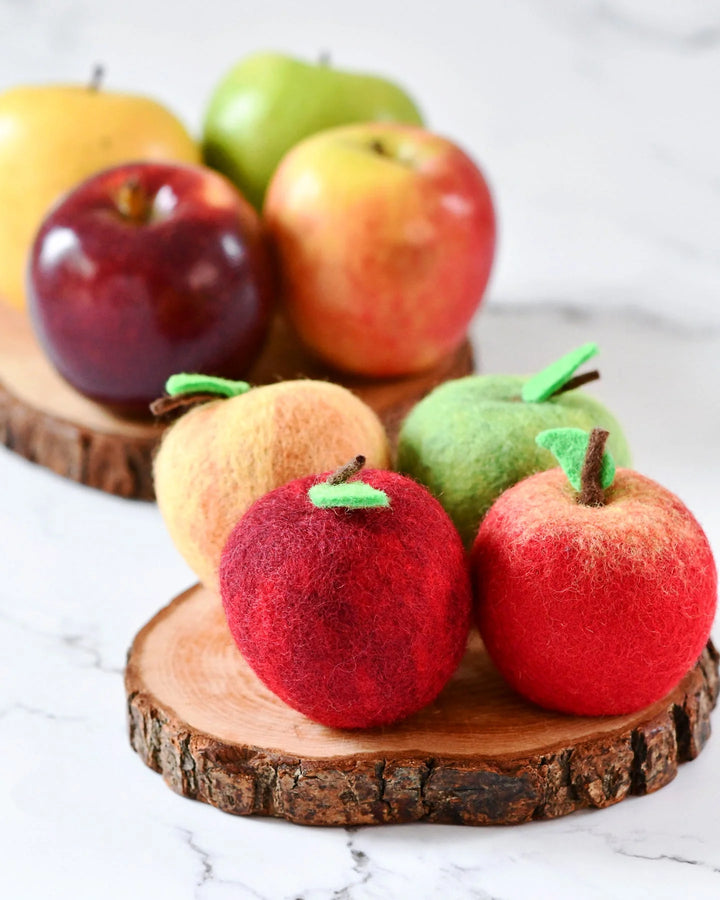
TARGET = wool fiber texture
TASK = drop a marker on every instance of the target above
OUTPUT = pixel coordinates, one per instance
(217, 459)
(472, 438)
(587, 610)
(354, 617)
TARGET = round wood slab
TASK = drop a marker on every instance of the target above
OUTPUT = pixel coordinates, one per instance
(479, 755)
(43, 419)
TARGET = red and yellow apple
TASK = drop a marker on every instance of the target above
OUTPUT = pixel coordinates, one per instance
(385, 236)
(51, 138)
(145, 270)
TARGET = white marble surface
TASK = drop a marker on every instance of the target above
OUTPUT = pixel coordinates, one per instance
(82, 817)
(596, 122)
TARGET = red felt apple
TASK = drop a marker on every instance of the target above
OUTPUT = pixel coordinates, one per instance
(145, 270)
(595, 590)
(350, 599)
(385, 234)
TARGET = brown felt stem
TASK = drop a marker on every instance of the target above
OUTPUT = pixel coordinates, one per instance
(577, 381)
(591, 489)
(133, 201)
(347, 471)
(181, 403)
(96, 78)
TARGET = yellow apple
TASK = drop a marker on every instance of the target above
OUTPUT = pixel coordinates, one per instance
(51, 138)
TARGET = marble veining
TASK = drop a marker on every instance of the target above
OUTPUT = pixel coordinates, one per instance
(594, 120)
(84, 571)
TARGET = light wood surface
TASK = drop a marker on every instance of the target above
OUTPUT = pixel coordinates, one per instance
(479, 754)
(45, 420)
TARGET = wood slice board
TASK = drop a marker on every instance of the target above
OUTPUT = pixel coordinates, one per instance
(479, 755)
(43, 419)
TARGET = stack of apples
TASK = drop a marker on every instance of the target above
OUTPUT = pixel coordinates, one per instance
(349, 592)
(379, 237)
(139, 261)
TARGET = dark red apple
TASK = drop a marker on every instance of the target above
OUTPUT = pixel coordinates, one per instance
(145, 270)
(349, 599)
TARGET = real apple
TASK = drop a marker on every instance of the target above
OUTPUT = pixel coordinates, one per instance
(385, 235)
(595, 588)
(53, 137)
(269, 102)
(472, 438)
(145, 270)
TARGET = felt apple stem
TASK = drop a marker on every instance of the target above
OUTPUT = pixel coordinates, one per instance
(592, 492)
(338, 491)
(578, 381)
(97, 77)
(560, 376)
(588, 465)
(185, 391)
(346, 472)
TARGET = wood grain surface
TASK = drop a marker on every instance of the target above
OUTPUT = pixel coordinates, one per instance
(478, 755)
(45, 420)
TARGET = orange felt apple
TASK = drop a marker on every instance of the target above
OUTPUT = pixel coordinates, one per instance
(385, 235)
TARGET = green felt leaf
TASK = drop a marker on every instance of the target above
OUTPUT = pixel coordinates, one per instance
(543, 385)
(184, 383)
(349, 494)
(569, 445)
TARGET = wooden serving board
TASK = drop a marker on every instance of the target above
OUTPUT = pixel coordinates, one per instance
(43, 419)
(479, 755)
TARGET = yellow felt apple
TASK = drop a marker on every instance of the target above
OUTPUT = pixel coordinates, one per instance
(51, 138)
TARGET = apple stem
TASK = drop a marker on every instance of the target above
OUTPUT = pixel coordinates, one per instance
(577, 381)
(132, 201)
(324, 59)
(347, 471)
(180, 403)
(591, 489)
(378, 147)
(97, 77)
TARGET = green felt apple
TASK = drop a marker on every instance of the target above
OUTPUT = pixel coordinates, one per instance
(471, 439)
(269, 102)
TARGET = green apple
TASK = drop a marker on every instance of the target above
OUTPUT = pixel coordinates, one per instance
(473, 438)
(269, 102)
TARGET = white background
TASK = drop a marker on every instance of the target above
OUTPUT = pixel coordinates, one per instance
(595, 120)
(597, 123)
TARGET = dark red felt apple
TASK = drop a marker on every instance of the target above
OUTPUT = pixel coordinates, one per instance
(596, 589)
(145, 270)
(349, 599)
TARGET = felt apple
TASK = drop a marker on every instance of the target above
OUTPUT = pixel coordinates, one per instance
(144, 270)
(596, 589)
(349, 599)
(269, 102)
(472, 438)
(54, 136)
(239, 443)
(385, 234)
